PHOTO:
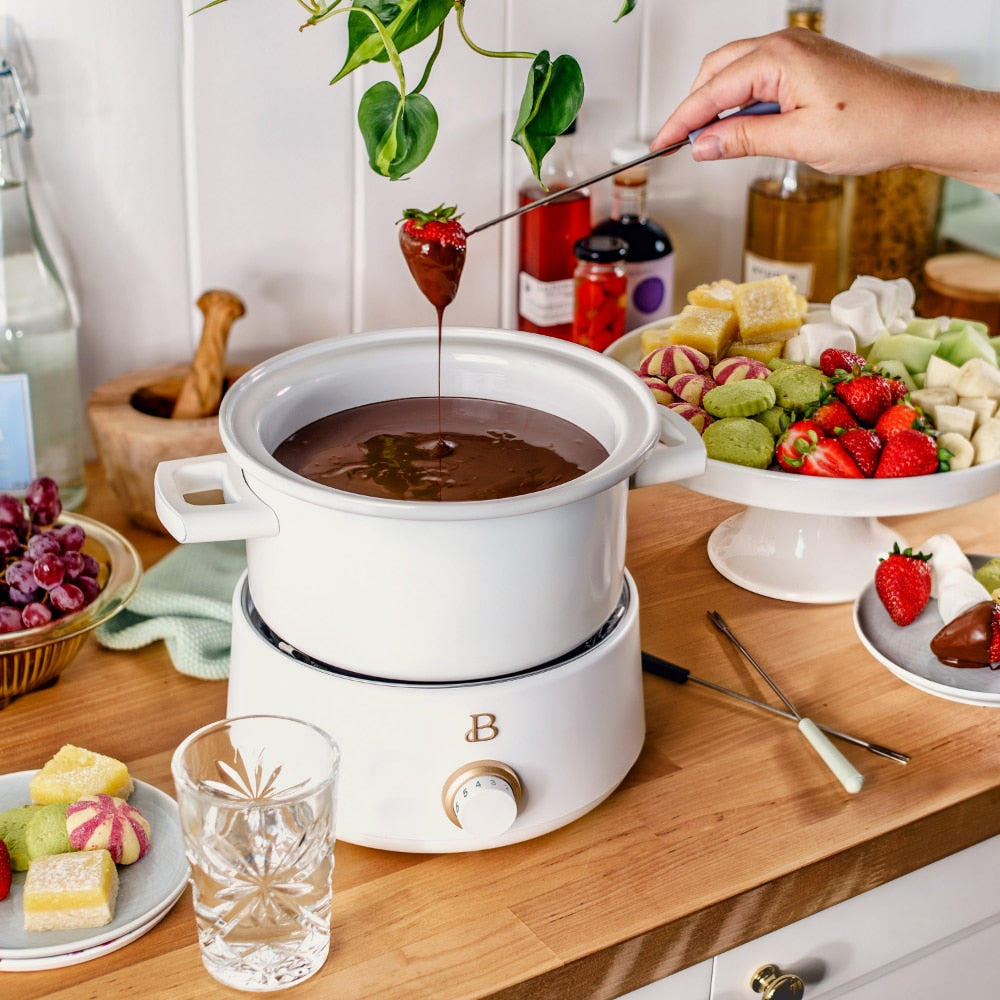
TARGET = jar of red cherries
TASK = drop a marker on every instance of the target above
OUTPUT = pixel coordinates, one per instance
(599, 288)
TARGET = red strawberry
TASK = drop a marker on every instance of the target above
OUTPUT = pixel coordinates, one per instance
(898, 417)
(833, 416)
(868, 396)
(908, 452)
(805, 448)
(4, 870)
(903, 584)
(829, 458)
(798, 439)
(995, 636)
(864, 446)
(900, 390)
(835, 359)
(433, 245)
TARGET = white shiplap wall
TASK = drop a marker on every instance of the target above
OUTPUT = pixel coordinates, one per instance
(176, 153)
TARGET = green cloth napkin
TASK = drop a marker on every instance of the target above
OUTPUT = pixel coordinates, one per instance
(185, 600)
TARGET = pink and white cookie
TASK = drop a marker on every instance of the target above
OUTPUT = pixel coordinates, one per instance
(738, 367)
(103, 821)
(659, 389)
(698, 418)
(673, 359)
(690, 387)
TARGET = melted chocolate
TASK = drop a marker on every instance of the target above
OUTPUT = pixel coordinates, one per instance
(484, 449)
(971, 639)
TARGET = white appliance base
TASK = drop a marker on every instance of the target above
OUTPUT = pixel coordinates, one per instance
(570, 732)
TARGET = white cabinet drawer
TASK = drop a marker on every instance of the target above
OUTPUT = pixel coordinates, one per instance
(913, 921)
(694, 983)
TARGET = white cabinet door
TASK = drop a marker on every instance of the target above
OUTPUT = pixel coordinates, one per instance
(924, 927)
(694, 983)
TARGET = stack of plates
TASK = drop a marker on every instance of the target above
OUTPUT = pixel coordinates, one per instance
(147, 890)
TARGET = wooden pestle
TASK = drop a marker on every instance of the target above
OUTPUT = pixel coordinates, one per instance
(202, 389)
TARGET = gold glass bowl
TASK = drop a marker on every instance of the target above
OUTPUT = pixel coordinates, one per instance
(34, 657)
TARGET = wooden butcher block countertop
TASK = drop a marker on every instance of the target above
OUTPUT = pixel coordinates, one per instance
(728, 826)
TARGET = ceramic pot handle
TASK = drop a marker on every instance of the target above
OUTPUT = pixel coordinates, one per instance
(680, 453)
(242, 515)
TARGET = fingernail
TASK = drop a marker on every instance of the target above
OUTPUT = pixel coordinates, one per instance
(707, 147)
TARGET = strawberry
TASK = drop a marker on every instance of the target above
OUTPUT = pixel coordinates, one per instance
(867, 395)
(864, 446)
(898, 417)
(805, 448)
(908, 452)
(833, 416)
(798, 438)
(835, 359)
(829, 458)
(903, 584)
(4, 870)
(995, 636)
(433, 245)
(899, 388)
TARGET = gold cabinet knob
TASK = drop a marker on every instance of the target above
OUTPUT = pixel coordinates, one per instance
(773, 984)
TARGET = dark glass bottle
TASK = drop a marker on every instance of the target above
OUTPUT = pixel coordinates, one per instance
(650, 259)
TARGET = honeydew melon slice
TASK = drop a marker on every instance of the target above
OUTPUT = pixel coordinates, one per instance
(963, 345)
(914, 352)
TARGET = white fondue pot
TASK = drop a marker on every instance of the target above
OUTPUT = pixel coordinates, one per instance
(423, 590)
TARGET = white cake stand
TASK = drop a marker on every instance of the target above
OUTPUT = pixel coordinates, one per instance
(809, 539)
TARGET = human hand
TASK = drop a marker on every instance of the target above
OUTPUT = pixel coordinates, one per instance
(843, 112)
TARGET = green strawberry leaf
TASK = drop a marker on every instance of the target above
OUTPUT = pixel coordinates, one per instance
(553, 94)
(398, 131)
(406, 22)
(627, 7)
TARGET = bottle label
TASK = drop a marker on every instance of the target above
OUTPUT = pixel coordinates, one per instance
(545, 303)
(17, 447)
(650, 290)
(755, 268)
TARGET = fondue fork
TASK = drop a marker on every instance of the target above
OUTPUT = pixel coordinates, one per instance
(847, 774)
(681, 675)
(757, 108)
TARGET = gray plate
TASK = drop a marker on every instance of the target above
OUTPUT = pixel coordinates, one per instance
(146, 888)
(906, 651)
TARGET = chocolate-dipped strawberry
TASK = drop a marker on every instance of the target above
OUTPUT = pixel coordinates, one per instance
(433, 245)
(972, 639)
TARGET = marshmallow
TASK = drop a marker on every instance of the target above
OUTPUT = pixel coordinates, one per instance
(959, 591)
(857, 308)
(946, 554)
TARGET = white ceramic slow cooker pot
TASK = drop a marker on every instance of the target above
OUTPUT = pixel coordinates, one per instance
(418, 590)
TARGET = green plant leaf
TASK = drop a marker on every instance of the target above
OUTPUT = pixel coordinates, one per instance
(407, 22)
(627, 7)
(398, 131)
(553, 94)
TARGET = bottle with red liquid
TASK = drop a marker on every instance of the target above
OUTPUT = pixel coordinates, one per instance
(547, 235)
(600, 286)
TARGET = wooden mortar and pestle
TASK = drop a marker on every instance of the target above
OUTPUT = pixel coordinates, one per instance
(143, 418)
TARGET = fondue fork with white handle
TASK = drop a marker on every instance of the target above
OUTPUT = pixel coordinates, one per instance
(847, 774)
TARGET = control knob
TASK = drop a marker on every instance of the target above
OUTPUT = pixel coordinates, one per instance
(482, 798)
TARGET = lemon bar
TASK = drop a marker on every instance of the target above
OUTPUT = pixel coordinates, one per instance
(70, 891)
(74, 772)
(714, 295)
(766, 350)
(768, 309)
(653, 337)
(709, 330)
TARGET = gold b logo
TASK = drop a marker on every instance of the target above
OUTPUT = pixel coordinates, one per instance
(484, 728)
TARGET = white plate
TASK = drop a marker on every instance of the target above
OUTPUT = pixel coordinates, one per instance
(146, 890)
(835, 525)
(906, 651)
(95, 951)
